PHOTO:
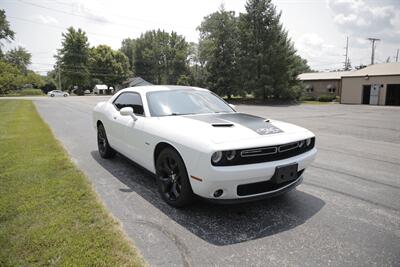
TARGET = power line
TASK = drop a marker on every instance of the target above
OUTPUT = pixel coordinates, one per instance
(76, 15)
(60, 27)
(130, 26)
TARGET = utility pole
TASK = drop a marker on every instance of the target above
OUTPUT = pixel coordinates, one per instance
(59, 78)
(397, 55)
(373, 40)
(346, 59)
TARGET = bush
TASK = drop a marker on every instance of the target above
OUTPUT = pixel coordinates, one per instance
(25, 92)
(326, 98)
(307, 98)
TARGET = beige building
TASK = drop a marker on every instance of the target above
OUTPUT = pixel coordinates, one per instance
(377, 84)
(322, 83)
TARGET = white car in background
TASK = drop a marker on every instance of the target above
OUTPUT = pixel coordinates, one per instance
(57, 93)
(197, 144)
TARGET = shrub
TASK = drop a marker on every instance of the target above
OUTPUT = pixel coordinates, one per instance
(307, 98)
(326, 98)
(26, 92)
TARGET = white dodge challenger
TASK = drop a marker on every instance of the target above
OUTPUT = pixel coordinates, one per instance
(197, 144)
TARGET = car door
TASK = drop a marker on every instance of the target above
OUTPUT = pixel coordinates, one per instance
(127, 132)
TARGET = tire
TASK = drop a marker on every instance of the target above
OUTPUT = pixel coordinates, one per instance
(65, 95)
(172, 179)
(51, 95)
(105, 150)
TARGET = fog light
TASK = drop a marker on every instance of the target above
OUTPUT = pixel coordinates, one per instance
(218, 193)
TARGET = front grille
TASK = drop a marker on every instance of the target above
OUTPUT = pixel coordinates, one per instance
(267, 154)
(262, 187)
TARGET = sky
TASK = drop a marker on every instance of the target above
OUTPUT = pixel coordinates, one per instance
(318, 28)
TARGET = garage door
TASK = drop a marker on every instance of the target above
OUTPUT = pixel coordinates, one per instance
(393, 95)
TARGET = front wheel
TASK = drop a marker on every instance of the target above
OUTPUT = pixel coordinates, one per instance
(103, 146)
(65, 95)
(51, 95)
(172, 178)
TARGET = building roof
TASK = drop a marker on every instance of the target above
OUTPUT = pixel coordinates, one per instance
(101, 86)
(383, 69)
(313, 76)
(136, 81)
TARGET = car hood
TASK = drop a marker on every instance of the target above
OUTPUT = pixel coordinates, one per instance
(229, 127)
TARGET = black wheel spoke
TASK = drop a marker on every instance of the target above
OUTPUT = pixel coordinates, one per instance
(171, 176)
(165, 183)
(174, 191)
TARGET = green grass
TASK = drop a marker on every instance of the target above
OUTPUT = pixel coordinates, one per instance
(49, 214)
(25, 92)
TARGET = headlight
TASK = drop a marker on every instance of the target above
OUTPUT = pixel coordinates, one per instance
(216, 157)
(308, 142)
(230, 155)
(301, 143)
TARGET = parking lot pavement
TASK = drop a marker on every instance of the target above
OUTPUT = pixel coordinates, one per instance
(347, 211)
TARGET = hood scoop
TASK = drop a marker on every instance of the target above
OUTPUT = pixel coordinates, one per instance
(222, 124)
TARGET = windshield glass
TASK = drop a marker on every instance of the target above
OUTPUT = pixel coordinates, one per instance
(183, 102)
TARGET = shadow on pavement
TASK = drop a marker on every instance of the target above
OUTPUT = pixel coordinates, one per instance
(219, 224)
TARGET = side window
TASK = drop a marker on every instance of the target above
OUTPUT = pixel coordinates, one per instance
(132, 100)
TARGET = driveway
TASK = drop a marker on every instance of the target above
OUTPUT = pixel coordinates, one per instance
(347, 211)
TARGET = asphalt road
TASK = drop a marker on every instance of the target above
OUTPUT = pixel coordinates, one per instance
(346, 213)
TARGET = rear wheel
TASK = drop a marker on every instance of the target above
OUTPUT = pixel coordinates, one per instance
(65, 95)
(102, 143)
(172, 178)
(52, 95)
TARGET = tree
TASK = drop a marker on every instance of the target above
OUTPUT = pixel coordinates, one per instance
(19, 57)
(107, 65)
(196, 63)
(34, 79)
(161, 57)
(73, 58)
(5, 31)
(268, 61)
(128, 48)
(218, 39)
(10, 78)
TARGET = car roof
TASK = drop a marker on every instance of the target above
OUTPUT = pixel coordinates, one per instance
(152, 88)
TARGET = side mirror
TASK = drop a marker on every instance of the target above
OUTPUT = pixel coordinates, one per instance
(232, 106)
(128, 111)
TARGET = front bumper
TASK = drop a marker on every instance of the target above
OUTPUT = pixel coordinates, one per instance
(267, 195)
(228, 178)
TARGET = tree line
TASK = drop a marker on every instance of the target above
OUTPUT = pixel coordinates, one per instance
(14, 73)
(237, 55)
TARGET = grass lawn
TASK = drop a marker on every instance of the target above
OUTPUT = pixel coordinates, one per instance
(49, 214)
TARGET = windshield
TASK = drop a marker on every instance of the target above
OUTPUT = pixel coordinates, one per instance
(183, 102)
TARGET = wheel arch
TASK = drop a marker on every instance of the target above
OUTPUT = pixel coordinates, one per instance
(160, 147)
(98, 123)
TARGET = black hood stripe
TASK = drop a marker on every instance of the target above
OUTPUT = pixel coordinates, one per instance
(255, 123)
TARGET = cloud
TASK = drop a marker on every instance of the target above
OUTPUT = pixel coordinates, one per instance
(367, 18)
(46, 19)
(90, 14)
(319, 53)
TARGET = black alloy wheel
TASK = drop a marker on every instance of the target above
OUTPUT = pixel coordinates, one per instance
(173, 181)
(102, 143)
